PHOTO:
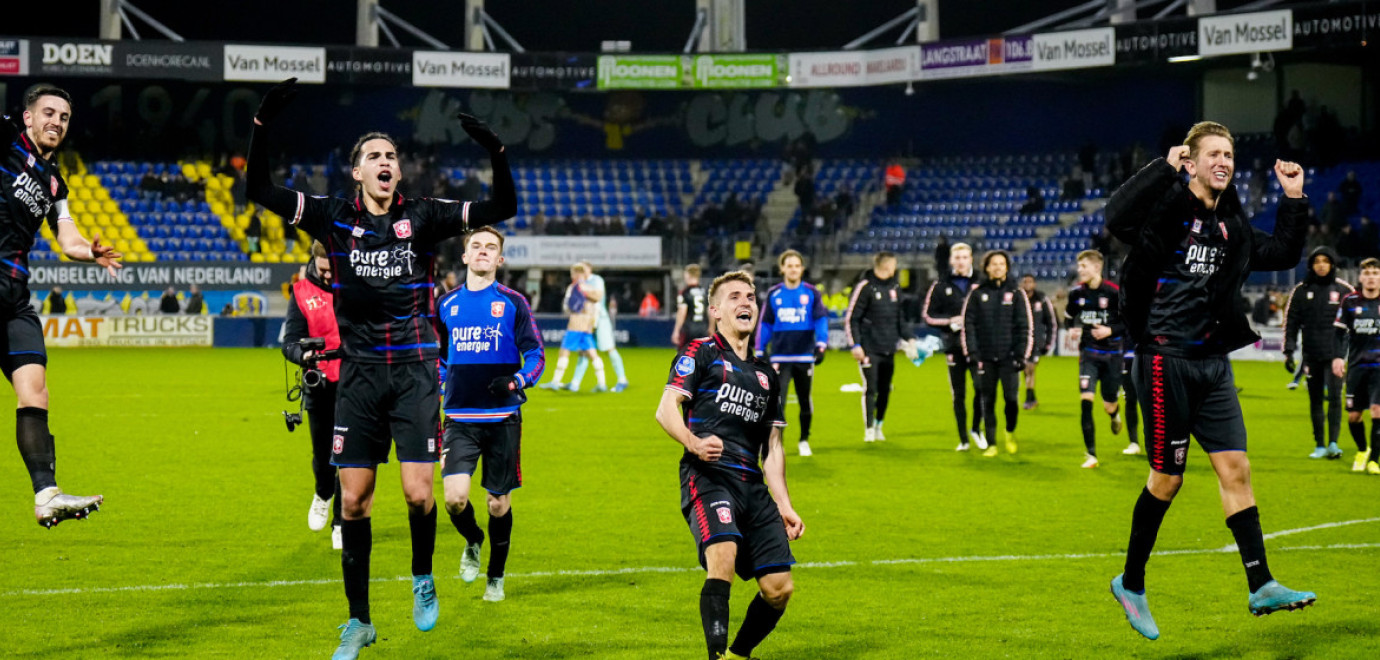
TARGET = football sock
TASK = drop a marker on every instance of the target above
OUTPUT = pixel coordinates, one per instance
(36, 446)
(617, 361)
(357, 539)
(561, 363)
(1374, 441)
(335, 503)
(500, 538)
(1358, 434)
(1250, 542)
(1315, 413)
(581, 366)
(465, 524)
(1334, 417)
(1029, 395)
(1089, 429)
(1132, 420)
(599, 372)
(1145, 527)
(714, 615)
(761, 619)
(423, 526)
(805, 419)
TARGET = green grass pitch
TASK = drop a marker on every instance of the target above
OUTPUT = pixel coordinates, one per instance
(911, 550)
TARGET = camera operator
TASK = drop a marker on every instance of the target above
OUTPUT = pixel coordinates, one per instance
(311, 314)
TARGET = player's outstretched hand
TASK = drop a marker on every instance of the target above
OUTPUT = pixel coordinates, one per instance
(795, 527)
(1177, 156)
(275, 99)
(105, 256)
(504, 385)
(1290, 177)
(480, 133)
(709, 448)
(1339, 367)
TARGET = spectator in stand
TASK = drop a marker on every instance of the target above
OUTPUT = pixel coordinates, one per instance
(150, 187)
(168, 303)
(1332, 213)
(650, 306)
(55, 303)
(539, 224)
(227, 311)
(895, 183)
(844, 200)
(1350, 191)
(1369, 236)
(253, 233)
(805, 192)
(1075, 187)
(1034, 201)
(1348, 247)
(195, 304)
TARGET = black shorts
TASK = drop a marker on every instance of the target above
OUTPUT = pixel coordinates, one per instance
(1362, 388)
(722, 507)
(22, 332)
(379, 405)
(500, 443)
(1181, 396)
(1105, 367)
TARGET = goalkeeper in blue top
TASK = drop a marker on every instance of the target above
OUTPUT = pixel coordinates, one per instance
(493, 351)
(795, 332)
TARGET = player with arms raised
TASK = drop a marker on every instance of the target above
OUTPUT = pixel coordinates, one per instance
(32, 191)
(723, 404)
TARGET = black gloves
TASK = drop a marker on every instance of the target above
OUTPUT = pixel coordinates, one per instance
(275, 99)
(480, 133)
(819, 354)
(1289, 364)
(505, 385)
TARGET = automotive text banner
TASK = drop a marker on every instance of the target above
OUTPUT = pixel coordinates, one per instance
(127, 331)
(1335, 24)
(274, 63)
(369, 66)
(1155, 42)
(1237, 34)
(462, 70)
(562, 251)
(553, 71)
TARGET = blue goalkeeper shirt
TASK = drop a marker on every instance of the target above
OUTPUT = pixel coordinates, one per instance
(487, 334)
(794, 322)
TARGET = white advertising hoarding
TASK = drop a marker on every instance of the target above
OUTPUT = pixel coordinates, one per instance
(563, 251)
(275, 63)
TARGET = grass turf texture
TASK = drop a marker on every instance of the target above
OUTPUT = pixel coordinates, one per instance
(202, 548)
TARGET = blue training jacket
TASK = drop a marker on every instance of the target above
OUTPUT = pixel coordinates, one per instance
(794, 321)
(487, 334)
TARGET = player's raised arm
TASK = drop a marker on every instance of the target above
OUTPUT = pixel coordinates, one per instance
(457, 219)
(1283, 249)
(295, 207)
(1130, 206)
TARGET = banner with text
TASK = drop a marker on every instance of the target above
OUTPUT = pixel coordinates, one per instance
(1335, 24)
(369, 66)
(127, 331)
(891, 65)
(1155, 42)
(553, 71)
(1079, 49)
(14, 57)
(1238, 34)
(274, 63)
(734, 71)
(462, 70)
(839, 69)
(230, 276)
(563, 251)
(639, 71)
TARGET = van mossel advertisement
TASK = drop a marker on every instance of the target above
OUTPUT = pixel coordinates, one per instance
(1237, 34)
(1079, 49)
(461, 70)
(274, 63)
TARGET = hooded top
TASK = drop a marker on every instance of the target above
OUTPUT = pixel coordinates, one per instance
(1312, 308)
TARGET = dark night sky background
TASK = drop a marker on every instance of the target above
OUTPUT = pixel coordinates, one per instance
(569, 25)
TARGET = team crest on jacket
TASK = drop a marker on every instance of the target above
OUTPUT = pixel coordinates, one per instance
(1102, 303)
(725, 515)
(762, 378)
(893, 294)
(804, 299)
(1007, 297)
(403, 228)
(496, 309)
(1333, 296)
(52, 185)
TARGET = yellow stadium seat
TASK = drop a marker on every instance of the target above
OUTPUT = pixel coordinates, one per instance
(257, 258)
(91, 181)
(78, 206)
(203, 170)
(188, 170)
(275, 258)
(128, 233)
(109, 206)
(80, 194)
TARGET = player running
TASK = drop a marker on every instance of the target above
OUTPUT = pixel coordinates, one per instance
(723, 404)
(943, 311)
(1191, 249)
(604, 339)
(493, 352)
(382, 247)
(32, 191)
(1358, 361)
(874, 327)
(998, 338)
(795, 334)
(1312, 310)
(692, 320)
(580, 299)
(1046, 333)
(1095, 326)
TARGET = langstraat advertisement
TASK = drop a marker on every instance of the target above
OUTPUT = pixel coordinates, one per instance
(127, 331)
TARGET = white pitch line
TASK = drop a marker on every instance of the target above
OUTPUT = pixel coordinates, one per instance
(659, 569)
(1232, 546)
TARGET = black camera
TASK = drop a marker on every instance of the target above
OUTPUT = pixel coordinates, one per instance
(293, 420)
(309, 377)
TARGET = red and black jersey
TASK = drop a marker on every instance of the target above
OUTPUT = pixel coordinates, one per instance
(1090, 306)
(736, 400)
(30, 189)
(696, 311)
(1358, 331)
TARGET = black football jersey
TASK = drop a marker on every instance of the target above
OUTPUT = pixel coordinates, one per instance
(736, 400)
